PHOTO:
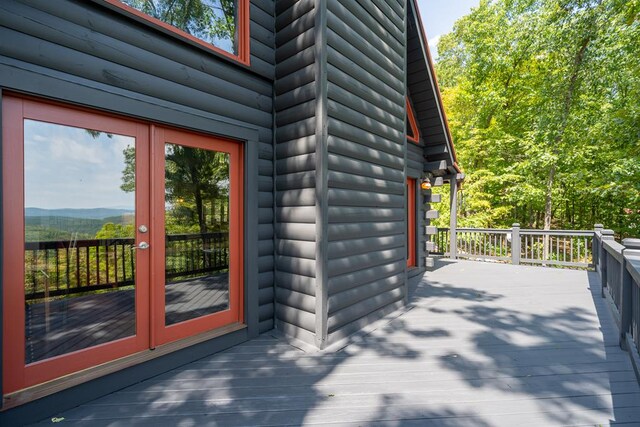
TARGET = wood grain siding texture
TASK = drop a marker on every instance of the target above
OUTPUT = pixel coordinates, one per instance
(295, 167)
(366, 170)
(94, 50)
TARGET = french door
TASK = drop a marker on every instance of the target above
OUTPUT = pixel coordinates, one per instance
(119, 236)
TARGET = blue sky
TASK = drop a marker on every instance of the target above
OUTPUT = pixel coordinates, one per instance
(438, 17)
(66, 167)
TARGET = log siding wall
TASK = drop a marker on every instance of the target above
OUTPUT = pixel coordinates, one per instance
(85, 53)
(296, 157)
(366, 168)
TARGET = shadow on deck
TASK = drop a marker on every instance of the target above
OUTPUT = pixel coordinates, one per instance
(480, 345)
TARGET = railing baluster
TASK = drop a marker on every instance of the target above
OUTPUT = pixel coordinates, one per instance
(57, 269)
(97, 263)
(88, 262)
(106, 259)
(67, 266)
(77, 254)
(124, 262)
(132, 257)
(115, 262)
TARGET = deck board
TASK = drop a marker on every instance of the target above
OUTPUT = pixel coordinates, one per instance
(479, 345)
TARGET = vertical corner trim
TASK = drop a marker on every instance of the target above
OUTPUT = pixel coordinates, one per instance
(322, 181)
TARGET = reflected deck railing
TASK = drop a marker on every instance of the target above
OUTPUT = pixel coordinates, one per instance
(56, 268)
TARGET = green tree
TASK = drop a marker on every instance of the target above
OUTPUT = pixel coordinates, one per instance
(196, 188)
(543, 99)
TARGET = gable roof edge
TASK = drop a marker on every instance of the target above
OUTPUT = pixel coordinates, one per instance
(434, 84)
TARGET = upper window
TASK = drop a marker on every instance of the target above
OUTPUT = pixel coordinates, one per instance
(413, 134)
(219, 24)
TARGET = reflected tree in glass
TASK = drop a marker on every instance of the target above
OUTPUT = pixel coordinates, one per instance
(214, 21)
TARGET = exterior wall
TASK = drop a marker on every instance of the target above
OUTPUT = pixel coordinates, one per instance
(84, 53)
(296, 156)
(80, 52)
(340, 168)
(414, 163)
(365, 164)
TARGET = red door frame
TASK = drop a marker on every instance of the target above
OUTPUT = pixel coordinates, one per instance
(149, 167)
(163, 334)
(15, 374)
(411, 222)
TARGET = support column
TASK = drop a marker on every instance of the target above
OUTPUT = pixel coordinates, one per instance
(453, 219)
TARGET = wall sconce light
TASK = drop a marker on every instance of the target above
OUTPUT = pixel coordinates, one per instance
(425, 184)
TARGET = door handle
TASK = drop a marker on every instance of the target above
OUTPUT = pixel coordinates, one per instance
(141, 245)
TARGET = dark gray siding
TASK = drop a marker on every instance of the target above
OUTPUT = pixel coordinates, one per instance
(85, 53)
(366, 170)
(295, 105)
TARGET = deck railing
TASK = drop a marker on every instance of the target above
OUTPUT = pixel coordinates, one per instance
(56, 268)
(566, 248)
(617, 264)
(619, 269)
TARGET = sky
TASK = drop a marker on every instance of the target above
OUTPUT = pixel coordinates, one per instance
(66, 167)
(438, 17)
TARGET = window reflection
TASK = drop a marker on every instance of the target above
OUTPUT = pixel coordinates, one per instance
(213, 21)
(197, 232)
(79, 228)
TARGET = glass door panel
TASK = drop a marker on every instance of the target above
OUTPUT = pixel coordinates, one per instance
(196, 233)
(200, 252)
(75, 290)
(79, 221)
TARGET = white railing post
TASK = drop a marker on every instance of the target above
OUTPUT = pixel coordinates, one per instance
(515, 244)
(595, 245)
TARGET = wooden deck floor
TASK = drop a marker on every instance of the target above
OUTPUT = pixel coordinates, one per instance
(480, 345)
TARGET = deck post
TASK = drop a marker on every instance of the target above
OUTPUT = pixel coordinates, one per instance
(602, 259)
(453, 217)
(515, 244)
(595, 245)
(626, 304)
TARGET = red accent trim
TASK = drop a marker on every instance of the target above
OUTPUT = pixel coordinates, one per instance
(244, 41)
(413, 123)
(435, 84)
(162, 333)
(411, 226)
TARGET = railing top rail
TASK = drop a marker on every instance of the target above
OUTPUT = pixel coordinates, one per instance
(614, 248)
(484, 230)
(572, 233)
(633, 264)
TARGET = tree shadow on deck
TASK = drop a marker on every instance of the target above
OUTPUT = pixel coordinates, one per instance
(267, 381)
(563, 358)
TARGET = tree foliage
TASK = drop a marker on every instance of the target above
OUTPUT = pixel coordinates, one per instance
(211, 20)
(543, 98)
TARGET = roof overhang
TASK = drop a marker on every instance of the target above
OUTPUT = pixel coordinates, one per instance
(422, 84)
